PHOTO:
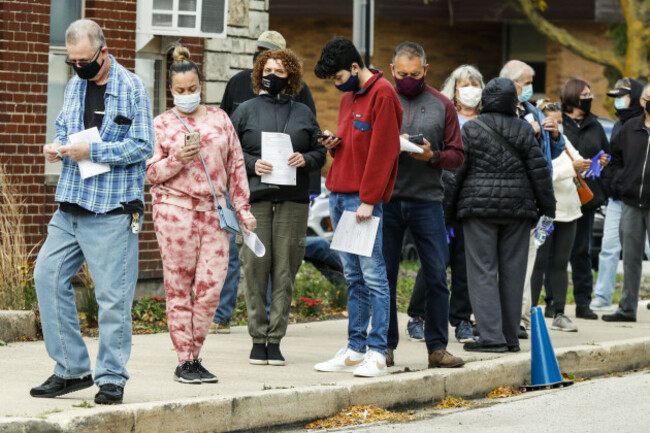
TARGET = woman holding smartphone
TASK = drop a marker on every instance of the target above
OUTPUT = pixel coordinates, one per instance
(193, 247)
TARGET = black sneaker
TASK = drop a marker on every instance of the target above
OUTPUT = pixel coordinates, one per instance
(187, 373)
(274, 355)
(55, 386)
(618, 316)
(514, 348)
(206, 376)
(585, 313)
(480, 347)
(109, 394)
(258, 354)
(522, 334)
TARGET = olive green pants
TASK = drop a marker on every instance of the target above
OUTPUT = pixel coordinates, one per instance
(282, 229)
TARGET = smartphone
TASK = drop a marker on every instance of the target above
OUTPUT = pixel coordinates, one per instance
(418, 139)
(192, 139)
(325, 137)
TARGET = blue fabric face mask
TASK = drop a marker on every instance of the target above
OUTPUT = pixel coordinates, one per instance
(351, 85)
(526, 93)
(620, 103)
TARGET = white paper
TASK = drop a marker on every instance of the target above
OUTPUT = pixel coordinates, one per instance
(529, 118)
(255, 244)
(355, 238)
(407, 146)
(276, 149)
(87, 168)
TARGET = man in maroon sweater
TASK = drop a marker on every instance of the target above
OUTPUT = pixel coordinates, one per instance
(360, 179)
(416, 202)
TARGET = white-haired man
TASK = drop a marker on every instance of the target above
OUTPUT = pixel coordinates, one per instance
(98, 217)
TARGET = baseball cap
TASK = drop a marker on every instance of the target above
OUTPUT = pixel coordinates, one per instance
(271, 40)
(621, 91)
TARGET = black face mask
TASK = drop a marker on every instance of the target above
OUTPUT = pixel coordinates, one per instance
(585, 105)
(274, 84)
(88, 71)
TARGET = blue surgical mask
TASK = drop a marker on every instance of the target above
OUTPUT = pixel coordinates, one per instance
(620, 103)
(351, 85)
(187, 103)
(526, 93)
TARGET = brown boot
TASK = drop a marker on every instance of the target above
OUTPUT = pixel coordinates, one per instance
(390, 358)
(444, 359)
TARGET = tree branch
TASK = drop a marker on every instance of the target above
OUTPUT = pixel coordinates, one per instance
(599, 55)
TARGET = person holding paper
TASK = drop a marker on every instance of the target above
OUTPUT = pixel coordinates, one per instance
(361, 179)
(98, 218)
(416, 202)
(193, 247)
(274, 126)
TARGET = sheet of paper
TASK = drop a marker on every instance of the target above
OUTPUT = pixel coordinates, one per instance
(355, 238)
(276, 149)
(255, 244)
(407, 146)
(87, 168)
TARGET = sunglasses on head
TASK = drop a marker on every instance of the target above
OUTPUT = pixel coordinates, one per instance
(552, 106)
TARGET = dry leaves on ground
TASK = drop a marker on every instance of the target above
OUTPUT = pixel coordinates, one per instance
(453, 402)
(503, 392)
(355, 415)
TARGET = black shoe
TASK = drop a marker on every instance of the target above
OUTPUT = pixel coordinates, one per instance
(273, 354)
(522, 334)
(648, 305)
(549, 311)
(55, 386)
(585, 313)
(258, 354)
(617, 316)
(206, 376)
(480, 347)
(109, 394)
(187, 373)
(514, 348)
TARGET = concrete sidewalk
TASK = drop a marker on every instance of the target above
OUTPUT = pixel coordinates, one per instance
(249, 396)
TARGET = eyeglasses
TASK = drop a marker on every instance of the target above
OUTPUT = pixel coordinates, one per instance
(83, 64)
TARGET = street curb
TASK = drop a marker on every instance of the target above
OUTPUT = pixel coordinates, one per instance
(16, 323)
(304, 404)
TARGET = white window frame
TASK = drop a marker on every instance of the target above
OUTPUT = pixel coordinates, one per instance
(145, 26)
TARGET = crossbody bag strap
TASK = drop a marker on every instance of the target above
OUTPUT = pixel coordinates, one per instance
(498, 137)
(205, 167)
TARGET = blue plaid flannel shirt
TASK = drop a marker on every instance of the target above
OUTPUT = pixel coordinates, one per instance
(124, 147)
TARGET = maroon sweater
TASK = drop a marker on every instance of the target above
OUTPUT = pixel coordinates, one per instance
(366, 159)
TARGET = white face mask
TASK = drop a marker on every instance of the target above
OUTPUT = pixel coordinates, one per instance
(187, 103)
(469, 96)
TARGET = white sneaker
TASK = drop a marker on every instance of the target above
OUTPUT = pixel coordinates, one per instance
(598, 305)
(563, 323)
(373, 365)
(345, 359)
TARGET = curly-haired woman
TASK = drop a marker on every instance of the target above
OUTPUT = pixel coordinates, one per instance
(281, 212)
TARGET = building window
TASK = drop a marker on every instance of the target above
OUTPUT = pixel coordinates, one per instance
(198, 18)
(150, 68)
(525, 43)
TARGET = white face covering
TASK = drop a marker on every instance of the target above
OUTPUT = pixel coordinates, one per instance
(470, 96)
(187, 103)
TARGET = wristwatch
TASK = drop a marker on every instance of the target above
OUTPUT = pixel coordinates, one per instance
(434, 158)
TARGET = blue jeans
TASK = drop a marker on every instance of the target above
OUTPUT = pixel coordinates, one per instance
(610, 253)
(325, 259)
(111, 250)
(427, 224)
(228, 298)
(367, 283)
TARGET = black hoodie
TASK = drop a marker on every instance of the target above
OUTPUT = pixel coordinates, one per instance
(493, 183)
(634, 110)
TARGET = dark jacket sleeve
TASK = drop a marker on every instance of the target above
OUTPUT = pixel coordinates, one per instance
(238, 120)
(226, 101)
(539, 175)
(454, 153)
(315, 158)
(305, 97)
(454, 183)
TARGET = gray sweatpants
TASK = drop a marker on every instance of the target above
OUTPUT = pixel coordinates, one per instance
(634, 230)
(496, 252)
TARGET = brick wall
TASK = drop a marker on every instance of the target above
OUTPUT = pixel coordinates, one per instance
(24, 45)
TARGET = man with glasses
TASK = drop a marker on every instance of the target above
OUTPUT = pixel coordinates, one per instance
(98, 217)
(552, 143)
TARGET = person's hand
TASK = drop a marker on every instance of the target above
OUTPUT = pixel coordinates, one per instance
(604, 159)
(263, 167)
(75, 151)
(249, 225)
(51, 152)
(186, 154)
(551, 126)
(296, 160)
(582, 164)
(329, 143)
(426, 147)
(537, 128)
(364, 212)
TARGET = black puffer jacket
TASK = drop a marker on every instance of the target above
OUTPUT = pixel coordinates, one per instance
(493, 183)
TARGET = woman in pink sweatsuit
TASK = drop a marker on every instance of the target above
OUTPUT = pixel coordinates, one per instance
(193, 247)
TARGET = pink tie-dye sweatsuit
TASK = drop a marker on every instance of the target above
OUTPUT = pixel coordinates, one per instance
(193, 247)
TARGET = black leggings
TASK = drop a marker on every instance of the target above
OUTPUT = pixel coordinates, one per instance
(553, 259)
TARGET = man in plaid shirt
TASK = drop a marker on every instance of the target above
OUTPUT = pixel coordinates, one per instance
(98, 217)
